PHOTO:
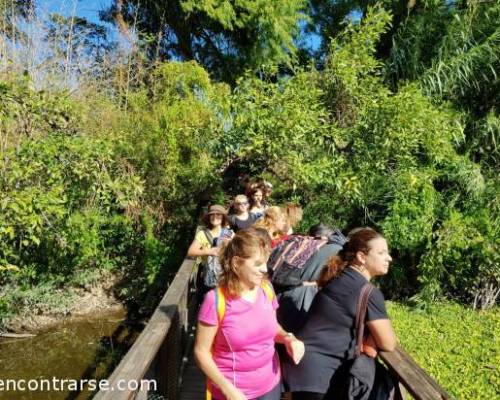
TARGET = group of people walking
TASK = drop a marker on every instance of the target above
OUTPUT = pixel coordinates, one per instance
(278, 310)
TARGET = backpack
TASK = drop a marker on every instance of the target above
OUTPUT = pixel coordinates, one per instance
(213, 268)
(289, 259)
(220, 307)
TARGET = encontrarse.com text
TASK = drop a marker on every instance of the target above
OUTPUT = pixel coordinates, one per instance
(56, 384)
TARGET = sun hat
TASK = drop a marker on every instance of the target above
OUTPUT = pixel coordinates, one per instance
(216, 209)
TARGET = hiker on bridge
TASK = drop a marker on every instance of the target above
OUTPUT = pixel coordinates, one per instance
(241, 219)
(275, 223)
(328, 333)
(296, 267)
(293, 214)
(206, 245)
(237, 326)
(255, 195)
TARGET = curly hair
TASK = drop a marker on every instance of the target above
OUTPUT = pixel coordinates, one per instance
(357, 240)
(244, 244)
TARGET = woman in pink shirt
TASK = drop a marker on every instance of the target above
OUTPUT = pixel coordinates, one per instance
(237, 353)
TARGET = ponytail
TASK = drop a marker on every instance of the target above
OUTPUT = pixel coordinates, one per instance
(357, 240)
(331, 270)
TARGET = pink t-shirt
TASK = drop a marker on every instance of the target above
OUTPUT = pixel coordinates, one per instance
(243, 348)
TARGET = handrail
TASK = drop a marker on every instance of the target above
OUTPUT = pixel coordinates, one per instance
(412, 377)
(158, 351)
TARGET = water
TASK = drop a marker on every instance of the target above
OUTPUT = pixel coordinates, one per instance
(85, 348)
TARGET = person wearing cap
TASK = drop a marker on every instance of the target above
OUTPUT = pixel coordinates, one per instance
(241, 219)
(207, 241)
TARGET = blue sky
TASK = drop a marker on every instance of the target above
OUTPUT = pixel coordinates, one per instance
(83, 8)
(88, 9)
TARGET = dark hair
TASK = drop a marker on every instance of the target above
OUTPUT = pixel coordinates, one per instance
(251, 192)
(244, 244)
(320, 230)
(357, 240)
(206, 221)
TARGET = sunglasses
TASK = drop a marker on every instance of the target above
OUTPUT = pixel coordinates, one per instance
(218, 215)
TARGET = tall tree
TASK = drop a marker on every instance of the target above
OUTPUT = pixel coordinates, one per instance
(225, 36)
(9, 10)
(453, 49)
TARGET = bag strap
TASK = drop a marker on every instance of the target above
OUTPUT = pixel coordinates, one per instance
(209, 236)
(268, 290)
(220, 308)
(220, 303)
(361, 308)
(220, 298)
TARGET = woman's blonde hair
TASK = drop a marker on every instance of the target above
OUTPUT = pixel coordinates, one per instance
(244, 244)
(293, 213)
(269, 221)
(239, 198)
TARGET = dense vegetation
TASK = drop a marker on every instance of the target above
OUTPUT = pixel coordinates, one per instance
(457, 346)
(393, 123)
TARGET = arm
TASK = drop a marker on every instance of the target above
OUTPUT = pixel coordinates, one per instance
(294, 347)
(383, 334)
(196, 250)
(205, 335)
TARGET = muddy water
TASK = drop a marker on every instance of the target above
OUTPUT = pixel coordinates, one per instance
(85, 348)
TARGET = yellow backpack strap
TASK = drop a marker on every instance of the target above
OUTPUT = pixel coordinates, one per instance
(209, 390)
(220, 308)
(220, 303)
(268, 290)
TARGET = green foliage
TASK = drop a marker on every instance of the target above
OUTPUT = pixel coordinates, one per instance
(450, 341)
(454, 51)
(118, 191)
(100, 183)
(355, 152)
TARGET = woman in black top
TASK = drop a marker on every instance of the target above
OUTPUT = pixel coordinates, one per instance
(241, 219)
(328, 333)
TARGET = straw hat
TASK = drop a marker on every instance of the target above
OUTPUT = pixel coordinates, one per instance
(216, 209)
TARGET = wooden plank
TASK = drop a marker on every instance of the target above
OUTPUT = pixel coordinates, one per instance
(140, 357)
(418, 382)
(193, 383)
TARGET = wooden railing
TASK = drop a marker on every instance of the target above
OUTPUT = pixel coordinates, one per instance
(412, 377)
(158, 352)
(156, 356)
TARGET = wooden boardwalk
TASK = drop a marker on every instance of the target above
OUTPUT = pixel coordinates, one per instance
(193, 382)
(163, 353)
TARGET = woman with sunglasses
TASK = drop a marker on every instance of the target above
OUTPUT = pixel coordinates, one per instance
(241, 219)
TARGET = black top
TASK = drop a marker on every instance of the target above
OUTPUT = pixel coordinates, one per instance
(328, 333)
(236, 224)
